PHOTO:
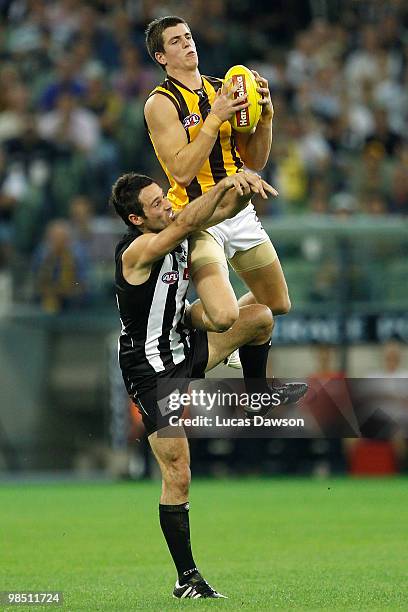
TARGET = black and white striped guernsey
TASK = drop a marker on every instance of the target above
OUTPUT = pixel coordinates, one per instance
(152, 340)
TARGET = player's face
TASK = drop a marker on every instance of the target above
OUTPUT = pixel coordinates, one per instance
(157, 209)
(179, 48)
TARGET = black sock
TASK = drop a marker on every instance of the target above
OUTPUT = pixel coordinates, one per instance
(176, 529)
(254, 359)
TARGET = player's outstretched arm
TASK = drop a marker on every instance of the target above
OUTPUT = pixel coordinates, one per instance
(254, 148)
(183, 159)
(150, 247)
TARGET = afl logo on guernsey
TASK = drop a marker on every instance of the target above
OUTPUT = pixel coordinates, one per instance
(191, 120)
(170, 277)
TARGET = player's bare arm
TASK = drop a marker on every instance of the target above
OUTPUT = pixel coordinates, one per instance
(183, 159)
(150, 247)
(254, 148)
(146, 249)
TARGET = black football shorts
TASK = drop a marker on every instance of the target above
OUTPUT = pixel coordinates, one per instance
(152, 402)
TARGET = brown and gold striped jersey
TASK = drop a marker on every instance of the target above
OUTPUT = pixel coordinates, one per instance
(192, 108)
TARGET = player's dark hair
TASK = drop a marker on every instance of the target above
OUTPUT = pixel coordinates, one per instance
(125, 195)
(154, 35)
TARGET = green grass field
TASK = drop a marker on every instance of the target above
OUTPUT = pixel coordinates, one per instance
(267, 544)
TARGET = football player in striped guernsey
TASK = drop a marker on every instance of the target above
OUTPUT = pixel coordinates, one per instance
(187, 117)
(156, 347)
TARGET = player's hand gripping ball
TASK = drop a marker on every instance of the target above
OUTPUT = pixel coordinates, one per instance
(245, 120)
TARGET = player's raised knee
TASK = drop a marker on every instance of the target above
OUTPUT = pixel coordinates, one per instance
(261, 319)
(285, 305)
(281, 306)
(266, 321)
(223, 320)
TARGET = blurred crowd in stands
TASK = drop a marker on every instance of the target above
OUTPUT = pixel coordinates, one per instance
(74, 76)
